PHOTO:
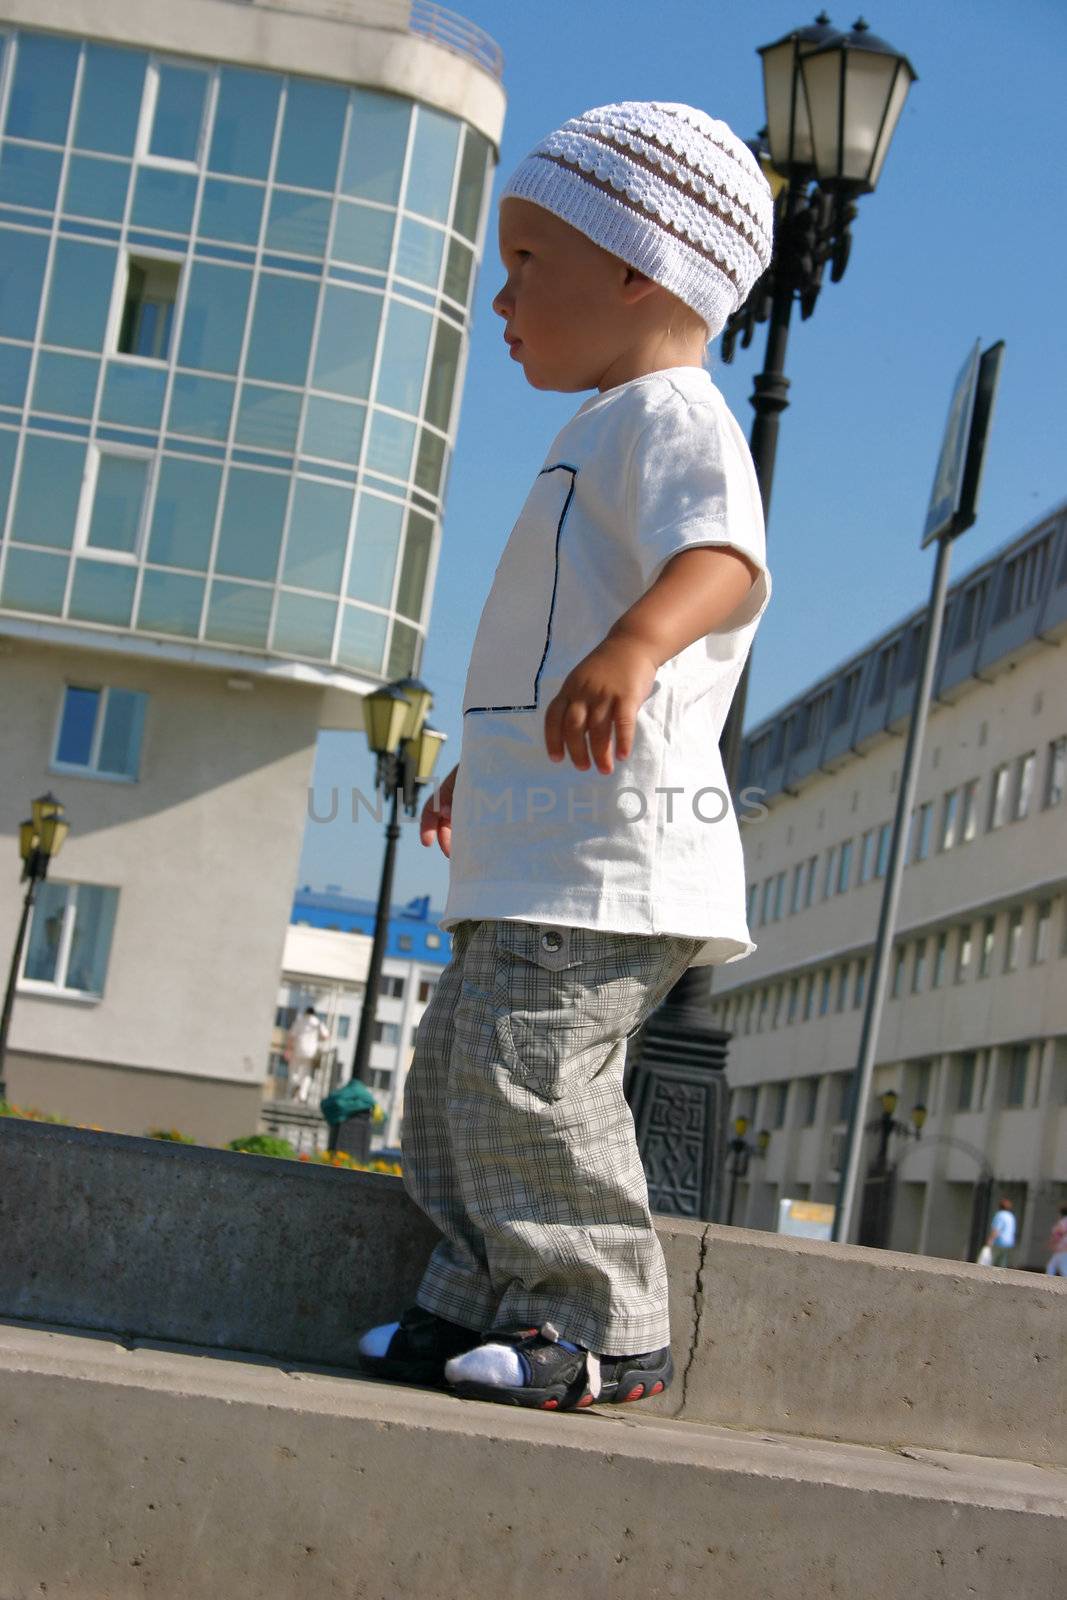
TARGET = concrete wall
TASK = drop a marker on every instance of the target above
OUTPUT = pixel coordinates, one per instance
(146, 1240)
(305, 39)
(203, 849)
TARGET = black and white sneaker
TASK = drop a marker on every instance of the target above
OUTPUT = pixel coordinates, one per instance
(521, 1366)
(415, 1349)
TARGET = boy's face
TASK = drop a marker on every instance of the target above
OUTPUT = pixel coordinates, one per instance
(567, 304)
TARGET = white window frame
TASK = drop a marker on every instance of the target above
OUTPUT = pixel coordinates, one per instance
(1014, 942)
(91, 770)
(119, 291)
(82, 547)
(1025, 773)
(998, 796)
(59, 990)
(969, 811)
(149, 102)
(964, 952)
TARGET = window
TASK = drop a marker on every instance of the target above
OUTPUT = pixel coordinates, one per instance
(1015, 1076)
(777, 993)
(798, 880)
(846, 697)
(898, 974)
(386, 1033)
(343, 1026)
(111, 517)
(909, 665)
(791, 1008)
(426, 987)
(1023, 579)
(844, 870)
(283, 1017)
(867, 855)
(810, 1106)
(404, 941)
(779, 1095)
(750, 909)
(844, 1097)
(937, 977)
(765, 900)
(1024, 785)
(148, 307)
(969, 619)
(918, 969)
(763, 995)
(1014, 941)
(809, 887)
(379, 1078)
(809, 994)
(923, 831)
(963, 953)
(882, 674)
(824, 991)
(949, 812)
(965, 1076)
(391, 987)
(860, 984)
(70, 938)
(1041, 931)
(173, 114)
(969, 812)
(985, 958)
(829, 874)
(433, 941)
(884, 836)
(1056, 775)
(842, 986)
(779, 897)
(998, 800)
(100, 732)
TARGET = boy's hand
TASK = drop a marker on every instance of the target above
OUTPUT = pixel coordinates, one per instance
(436, 819)
(604, 692)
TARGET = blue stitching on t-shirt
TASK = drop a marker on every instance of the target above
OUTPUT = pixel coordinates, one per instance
(558, 466)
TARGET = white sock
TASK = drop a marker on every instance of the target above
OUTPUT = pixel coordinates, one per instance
(376, 1341)
(498, 1364)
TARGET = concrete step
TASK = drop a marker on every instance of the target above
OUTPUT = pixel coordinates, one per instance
(140, 1238)
(148, 1469)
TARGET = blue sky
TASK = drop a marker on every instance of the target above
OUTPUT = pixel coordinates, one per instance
(965, 238)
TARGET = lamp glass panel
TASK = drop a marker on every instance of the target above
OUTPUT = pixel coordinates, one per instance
(868, 87)
(897, 96)
(384, 716)
(429, 748)
(789, 138)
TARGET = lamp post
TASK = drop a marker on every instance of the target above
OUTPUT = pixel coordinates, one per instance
(40, 839)
(878, 1192)
(405, 751)
(833, 101)
(742, 1152)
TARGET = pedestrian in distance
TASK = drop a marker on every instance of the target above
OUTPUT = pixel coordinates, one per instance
(1057, 1246)
(1002, 1231)
(306, 1038)
(594, 852)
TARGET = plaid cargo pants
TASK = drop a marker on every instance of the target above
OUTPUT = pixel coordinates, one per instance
(518, 1142)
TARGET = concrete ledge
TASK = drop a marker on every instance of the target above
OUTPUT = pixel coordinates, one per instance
(148, 1471)
(143, 1239)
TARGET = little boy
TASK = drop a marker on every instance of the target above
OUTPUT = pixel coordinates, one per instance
(613, 637)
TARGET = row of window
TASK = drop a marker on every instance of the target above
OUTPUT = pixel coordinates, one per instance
(965, 1081)
(1022, 580)
(219, 322)
(182, 117)
(919, 965)
(393, 987)
(1010, 799)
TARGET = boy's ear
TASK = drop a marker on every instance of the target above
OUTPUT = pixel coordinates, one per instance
(635, 285)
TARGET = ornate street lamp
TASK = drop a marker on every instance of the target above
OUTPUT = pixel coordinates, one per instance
(833, 102)
(405, 751)
(41, 838)
(877, 1210)
(743, 1151)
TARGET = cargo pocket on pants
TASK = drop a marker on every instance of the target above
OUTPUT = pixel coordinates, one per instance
(544, 1024)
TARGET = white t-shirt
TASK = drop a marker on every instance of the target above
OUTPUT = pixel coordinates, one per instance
(642, 471)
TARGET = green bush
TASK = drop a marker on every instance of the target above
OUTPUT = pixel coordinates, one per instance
(263, 1144)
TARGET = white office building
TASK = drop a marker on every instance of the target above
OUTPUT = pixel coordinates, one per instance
(975, 1021)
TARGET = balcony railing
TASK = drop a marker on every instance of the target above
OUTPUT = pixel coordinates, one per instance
(437, 23)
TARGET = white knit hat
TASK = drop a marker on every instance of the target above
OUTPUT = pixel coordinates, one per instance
(666, 188)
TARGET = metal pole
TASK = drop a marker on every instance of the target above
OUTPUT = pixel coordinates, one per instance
(872, 1015)
(12, 977)
(368, 1013)
(769, 398)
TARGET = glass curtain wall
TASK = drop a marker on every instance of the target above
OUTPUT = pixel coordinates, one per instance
(233, 314)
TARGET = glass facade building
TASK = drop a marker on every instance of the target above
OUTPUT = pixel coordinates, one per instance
(233, 317)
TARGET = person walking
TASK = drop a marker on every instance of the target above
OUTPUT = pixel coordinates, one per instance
(306, 1038)
(1002, 1233)
(1057, 1244)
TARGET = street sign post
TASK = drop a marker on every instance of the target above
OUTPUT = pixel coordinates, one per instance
(953, 507)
